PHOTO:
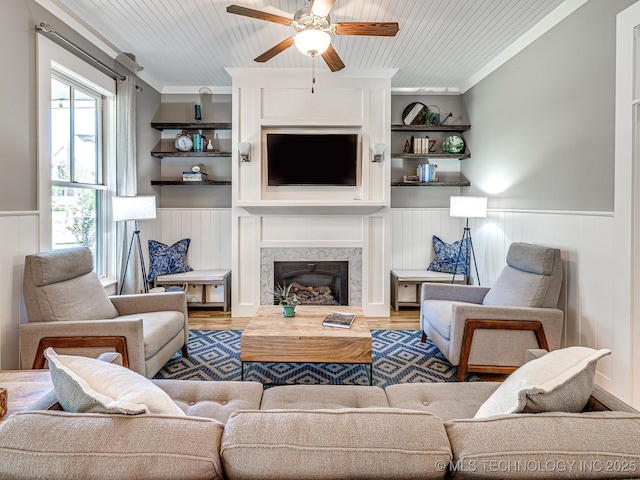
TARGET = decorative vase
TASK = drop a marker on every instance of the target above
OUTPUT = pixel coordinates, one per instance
(288, 310)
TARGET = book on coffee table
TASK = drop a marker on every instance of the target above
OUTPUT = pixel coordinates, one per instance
(340, 320)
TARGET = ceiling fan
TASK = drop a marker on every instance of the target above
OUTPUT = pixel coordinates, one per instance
(313, 26)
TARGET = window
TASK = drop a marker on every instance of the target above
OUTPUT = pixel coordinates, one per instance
(76, 155)
(77, 187)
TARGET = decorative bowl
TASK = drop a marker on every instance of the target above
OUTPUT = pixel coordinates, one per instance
(453, 144)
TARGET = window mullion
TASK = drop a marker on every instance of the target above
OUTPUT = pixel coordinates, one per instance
(72, 127)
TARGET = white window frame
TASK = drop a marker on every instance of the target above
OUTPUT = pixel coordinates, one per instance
(53, 58)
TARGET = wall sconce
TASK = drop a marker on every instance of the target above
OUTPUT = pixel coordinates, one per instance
(244, 149)
(377, 149)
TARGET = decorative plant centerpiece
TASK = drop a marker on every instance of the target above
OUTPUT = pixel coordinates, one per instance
(286, 299)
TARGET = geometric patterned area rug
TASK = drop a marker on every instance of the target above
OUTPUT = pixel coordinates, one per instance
(398, 357)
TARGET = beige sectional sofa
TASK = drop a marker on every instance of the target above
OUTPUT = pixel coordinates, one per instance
(237, 430)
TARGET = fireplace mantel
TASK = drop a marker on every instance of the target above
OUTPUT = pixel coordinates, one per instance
(311, 208)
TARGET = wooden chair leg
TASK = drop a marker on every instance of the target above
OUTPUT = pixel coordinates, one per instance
(118, 343)
(423, 339)
(474, 324)
(185, 351)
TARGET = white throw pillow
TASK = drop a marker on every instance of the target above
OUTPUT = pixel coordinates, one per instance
(560, 381)
(84, 384)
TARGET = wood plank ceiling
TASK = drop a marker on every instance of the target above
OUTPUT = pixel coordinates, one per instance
(441, 43)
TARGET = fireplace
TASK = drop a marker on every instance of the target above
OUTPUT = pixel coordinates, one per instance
(315, 282)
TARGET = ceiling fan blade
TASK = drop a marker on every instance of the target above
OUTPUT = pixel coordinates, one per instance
(321, 8)
(272, 52)
(384, 29)
(248, 12)
(333, 60)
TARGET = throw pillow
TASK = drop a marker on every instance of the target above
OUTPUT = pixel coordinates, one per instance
(447, 256)
(84, 384)
(165, 260)
(560, 381)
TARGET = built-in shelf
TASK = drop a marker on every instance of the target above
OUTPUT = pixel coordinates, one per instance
(190, 183)
(445, 179)
(166, 148)
(191, 126)
(429, 128)
(459, 156)
(164, 153)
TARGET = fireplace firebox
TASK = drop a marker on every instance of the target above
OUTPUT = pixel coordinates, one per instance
(315, 283)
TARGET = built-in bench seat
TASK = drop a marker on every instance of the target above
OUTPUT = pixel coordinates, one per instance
(204, 288)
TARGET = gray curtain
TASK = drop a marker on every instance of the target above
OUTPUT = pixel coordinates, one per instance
(126, 181)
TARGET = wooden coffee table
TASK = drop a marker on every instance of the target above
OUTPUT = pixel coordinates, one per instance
(269, 337)
(24, 387)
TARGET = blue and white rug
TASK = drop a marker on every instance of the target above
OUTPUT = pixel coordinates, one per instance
(398, 357)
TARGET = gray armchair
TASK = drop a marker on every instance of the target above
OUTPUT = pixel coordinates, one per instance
(488, 330)
(68, 309)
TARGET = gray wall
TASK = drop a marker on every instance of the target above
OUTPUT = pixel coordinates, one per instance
(18, 108)
(542, 133)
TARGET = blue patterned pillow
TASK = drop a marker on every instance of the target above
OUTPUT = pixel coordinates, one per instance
(166, 260)
(447, 255)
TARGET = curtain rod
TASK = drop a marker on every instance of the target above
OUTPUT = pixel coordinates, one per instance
(46, 28)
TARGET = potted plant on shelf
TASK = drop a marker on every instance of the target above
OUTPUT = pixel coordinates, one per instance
(286, 299)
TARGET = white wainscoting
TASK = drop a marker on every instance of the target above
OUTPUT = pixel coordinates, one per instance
(412, 232)
(19, 240)
(208, 228)
(589, 257)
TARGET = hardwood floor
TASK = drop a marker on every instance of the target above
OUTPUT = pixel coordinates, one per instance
(216, 319)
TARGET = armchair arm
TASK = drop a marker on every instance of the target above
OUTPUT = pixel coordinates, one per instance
(453, 292)
(131, 330)
(552, 320)
(150, 302)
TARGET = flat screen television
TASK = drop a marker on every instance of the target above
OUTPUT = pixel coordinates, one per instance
(312, 159)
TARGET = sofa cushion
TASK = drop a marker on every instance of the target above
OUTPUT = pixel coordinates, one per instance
(440, 313)
(165, 259)
(547, 445)
(446, 257)
(71, 446)
(515, 288)
(216, 400)
(85, 384)
(68, 300)
(158, 328)
(330, 444)
(561, 380)
(443, 399)
(313, 397)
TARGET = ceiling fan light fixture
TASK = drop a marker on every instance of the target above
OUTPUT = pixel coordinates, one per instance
(312, 42)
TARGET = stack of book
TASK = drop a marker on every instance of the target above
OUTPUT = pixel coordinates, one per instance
(426, 172)
(193, 176)
(420, 145)
(410, 178)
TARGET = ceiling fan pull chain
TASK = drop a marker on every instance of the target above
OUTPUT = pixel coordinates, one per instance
(313, 73)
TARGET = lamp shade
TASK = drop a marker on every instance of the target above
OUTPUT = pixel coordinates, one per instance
(312, 42)
(141, 207)
(468, 207)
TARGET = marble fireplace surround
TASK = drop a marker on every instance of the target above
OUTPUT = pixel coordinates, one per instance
(295, 254)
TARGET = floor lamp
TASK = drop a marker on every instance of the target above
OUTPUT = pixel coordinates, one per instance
(467, 207)
(142, 207)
